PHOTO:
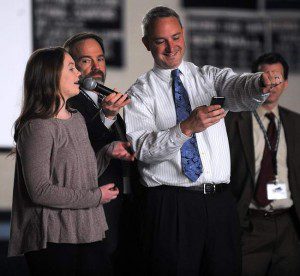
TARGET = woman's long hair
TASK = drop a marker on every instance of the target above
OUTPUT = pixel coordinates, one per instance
(42, 97)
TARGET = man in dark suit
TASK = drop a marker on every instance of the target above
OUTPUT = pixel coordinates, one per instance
(104, 125)
(265, 179)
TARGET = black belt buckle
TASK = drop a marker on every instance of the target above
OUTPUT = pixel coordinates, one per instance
(207, 188)
(268, 214)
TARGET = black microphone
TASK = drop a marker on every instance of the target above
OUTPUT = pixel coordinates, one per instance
(92, 85)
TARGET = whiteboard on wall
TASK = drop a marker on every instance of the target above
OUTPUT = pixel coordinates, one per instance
(15, 48)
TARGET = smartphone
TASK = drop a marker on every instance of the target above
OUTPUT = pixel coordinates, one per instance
(217, 101)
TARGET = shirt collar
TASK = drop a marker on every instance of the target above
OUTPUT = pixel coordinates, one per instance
(92, 95)
(165, 74)
(261, 111)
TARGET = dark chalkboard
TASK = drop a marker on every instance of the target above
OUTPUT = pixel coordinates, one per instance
(286, 39)
(283, 4)
(226, 41)
(56, 20)
(231, 38)
(240, 4)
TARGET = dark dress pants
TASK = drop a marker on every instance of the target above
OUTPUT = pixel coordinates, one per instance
(185, 232)
(61, 259)
(271, 246)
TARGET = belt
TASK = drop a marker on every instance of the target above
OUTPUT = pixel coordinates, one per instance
(268, 214)
(208, 188)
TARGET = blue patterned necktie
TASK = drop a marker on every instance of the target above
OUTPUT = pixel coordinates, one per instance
(190, 158)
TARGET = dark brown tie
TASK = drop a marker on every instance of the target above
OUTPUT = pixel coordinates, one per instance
(268, 164)
(100, 98)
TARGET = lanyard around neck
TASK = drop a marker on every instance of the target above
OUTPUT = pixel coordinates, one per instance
(273, 151)
(265, 132)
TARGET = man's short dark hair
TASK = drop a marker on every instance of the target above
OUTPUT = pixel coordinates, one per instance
(157, 12)
(71, 42)
(271, 58)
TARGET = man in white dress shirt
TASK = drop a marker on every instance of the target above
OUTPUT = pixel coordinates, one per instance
(190, 223)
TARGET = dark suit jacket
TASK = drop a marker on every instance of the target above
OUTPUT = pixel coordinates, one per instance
(119, 211)
(240, 135)
(100, 136)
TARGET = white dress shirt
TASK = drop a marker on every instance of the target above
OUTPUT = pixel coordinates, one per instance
(106, 121)
(157, 138)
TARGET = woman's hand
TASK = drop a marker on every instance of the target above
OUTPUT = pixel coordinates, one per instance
(109, 192)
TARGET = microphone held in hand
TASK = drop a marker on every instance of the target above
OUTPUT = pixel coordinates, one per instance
(92, 85)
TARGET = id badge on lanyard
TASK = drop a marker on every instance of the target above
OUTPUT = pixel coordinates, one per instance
(276, 190)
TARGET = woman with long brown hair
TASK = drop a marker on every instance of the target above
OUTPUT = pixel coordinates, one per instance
(57, 215)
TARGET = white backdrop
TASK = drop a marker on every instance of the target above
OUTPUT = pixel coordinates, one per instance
(15, 48)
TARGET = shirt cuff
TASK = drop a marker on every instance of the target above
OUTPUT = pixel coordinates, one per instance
(177, 137)
(98, 195)
(106, 121)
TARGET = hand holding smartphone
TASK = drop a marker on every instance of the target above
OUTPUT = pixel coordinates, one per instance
(216, 100)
